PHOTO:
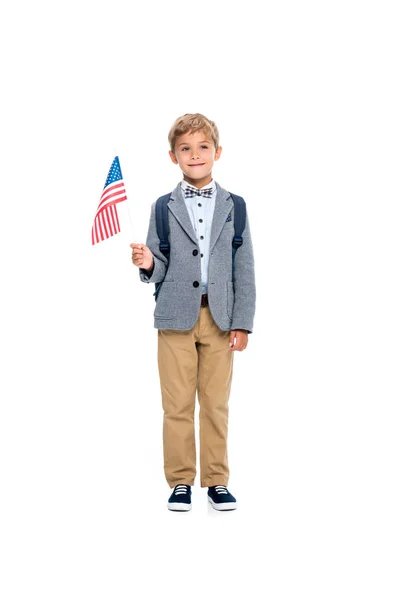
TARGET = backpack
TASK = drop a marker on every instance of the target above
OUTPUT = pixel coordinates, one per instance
(162, 225)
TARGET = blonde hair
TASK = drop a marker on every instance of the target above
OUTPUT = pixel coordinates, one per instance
(193, 122)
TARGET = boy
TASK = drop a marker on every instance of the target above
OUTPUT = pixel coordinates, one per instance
(202, 314)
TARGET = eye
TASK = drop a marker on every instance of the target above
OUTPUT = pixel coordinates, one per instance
(204, 146)
(185, 148)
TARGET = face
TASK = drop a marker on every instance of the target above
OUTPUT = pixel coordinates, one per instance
(195, 154)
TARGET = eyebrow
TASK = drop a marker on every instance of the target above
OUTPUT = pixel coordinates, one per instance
(187, 143)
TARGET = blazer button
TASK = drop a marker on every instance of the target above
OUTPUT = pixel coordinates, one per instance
(196, 284)
(195, 252)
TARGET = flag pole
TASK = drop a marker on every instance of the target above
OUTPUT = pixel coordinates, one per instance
(130, 219)
(127, 200)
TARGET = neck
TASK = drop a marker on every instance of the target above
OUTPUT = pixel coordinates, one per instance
(198, 183)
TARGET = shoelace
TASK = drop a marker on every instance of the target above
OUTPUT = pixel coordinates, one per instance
(221, 489)
(181, 489)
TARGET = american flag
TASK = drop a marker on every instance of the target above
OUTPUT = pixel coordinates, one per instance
(106, 221)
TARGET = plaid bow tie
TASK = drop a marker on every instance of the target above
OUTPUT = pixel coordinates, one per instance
(192, 191)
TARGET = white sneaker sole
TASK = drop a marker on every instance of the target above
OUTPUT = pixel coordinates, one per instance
(179, 506)
(222, 505)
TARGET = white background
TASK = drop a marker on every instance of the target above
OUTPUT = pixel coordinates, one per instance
(306, 98)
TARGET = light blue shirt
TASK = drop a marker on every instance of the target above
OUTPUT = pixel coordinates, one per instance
(201, 212)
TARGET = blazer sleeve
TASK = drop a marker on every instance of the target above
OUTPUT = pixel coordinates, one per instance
(160, 261)
(244, 283)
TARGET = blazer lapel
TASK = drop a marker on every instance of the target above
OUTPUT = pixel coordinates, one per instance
(222, 208)
(178, 207)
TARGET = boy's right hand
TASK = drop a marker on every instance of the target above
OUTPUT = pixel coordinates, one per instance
(142, 256)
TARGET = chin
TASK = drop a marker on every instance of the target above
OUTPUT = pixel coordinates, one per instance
(195, 174)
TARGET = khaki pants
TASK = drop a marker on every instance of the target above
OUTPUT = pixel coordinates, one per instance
(199, 358)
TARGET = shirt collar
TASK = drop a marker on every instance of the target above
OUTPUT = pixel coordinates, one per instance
(185, 184)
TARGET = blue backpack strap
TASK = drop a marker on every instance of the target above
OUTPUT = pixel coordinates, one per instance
(162, 225)
(239, 224)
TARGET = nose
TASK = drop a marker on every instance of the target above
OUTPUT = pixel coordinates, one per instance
(195, 155)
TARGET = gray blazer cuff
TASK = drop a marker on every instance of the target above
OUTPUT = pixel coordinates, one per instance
(157, 274)
(241, 327)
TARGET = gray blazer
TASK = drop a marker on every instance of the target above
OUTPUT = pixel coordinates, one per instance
(231, 302)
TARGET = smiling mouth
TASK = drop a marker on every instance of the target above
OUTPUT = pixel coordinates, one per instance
(198, 165)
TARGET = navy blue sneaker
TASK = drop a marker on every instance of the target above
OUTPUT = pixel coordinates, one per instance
(220, 498)
(180, 499)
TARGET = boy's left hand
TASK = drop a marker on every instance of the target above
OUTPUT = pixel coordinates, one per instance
(241, 336)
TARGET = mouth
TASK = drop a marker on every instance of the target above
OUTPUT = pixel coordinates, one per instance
(198, 165)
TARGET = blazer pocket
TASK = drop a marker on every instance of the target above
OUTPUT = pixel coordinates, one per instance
(166, 301)
(230, 298)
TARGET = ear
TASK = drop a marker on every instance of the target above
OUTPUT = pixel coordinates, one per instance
(218, 153)
(173, 157)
